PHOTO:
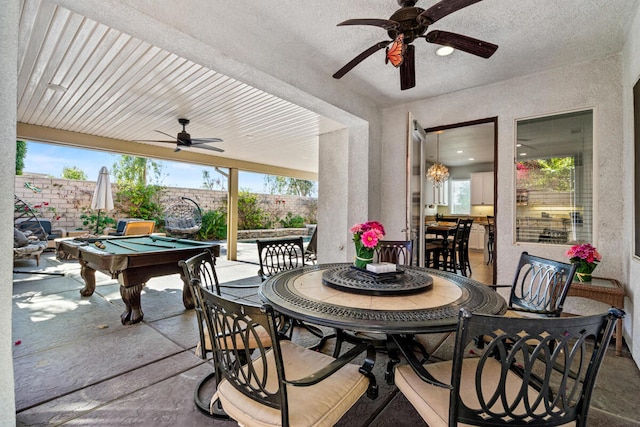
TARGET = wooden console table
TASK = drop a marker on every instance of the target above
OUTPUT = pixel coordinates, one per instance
(608, 291)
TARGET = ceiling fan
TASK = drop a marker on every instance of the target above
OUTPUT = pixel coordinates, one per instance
(409, 23)
(184, 139)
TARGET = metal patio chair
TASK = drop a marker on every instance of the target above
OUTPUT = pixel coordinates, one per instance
(513, 382)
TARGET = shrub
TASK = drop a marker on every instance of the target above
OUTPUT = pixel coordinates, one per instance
(141, 201)
(250, 215)
(214, 226)
(292, 221)
(89, 220)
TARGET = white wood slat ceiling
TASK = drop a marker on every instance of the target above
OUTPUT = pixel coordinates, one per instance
(123, 88)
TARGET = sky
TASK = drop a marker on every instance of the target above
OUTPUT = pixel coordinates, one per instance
(50, 159)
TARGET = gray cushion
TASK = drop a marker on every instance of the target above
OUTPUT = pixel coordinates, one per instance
(19, 239)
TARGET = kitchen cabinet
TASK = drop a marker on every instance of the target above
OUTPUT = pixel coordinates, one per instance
(482, 188)
(437, 195)
(476, 237)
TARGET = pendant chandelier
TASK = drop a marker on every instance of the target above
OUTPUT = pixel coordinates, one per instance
(438, 173)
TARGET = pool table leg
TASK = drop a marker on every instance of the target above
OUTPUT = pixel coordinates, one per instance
(131, 298)
(88, 274)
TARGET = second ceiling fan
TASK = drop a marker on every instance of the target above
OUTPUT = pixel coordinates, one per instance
(409, 23)
(184, 139)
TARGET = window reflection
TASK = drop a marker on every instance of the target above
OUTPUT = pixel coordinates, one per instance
(554, 164)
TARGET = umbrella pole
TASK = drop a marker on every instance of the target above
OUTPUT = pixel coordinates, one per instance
(98, 221)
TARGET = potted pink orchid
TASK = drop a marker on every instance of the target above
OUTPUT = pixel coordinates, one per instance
(586, 257)
(366, 237)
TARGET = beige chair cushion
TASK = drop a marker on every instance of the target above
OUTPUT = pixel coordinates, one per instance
(322, 404)
(432, 403)
(521, 314)
(262, 333)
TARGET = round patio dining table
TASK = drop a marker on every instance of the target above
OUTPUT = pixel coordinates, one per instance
(419, 300)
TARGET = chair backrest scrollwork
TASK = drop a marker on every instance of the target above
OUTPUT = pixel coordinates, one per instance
(398, 252)
(540, 285)
(549, 382)
(200, 272)
(277, 255)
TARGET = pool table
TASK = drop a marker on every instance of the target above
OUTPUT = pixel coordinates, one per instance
(133, 261)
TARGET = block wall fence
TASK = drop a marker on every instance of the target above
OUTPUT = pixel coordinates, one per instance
(63, 200)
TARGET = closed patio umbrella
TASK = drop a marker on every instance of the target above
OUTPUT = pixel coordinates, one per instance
(102, 197)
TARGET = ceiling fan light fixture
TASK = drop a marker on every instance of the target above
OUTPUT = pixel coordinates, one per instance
(410, 23)
(444, 51)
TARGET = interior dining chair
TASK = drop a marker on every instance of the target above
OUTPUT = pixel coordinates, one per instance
(286, 384)
(436, 249)
(435, 254)
(491, 237)
(200, 273)
(513, 382)
(399, 252)
(457, 250)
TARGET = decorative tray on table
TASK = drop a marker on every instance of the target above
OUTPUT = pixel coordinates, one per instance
(389, 275)
(357, 280)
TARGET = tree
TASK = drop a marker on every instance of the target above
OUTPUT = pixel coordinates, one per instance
(290, 186)
(72, 172)
(21, 153)
(552, 174)
(211, 183)
(136, 197)
(131, 171)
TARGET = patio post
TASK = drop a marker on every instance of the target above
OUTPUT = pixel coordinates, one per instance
(232, 216)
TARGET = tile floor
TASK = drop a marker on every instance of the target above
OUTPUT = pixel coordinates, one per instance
(76, 364)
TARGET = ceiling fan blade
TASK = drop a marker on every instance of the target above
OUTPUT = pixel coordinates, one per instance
(442, 9)
(203, 140)
(383, 23)
(166, 134)
(207, 147)
(408, 69)
(358, 59)
(155, 140)
(460, 42)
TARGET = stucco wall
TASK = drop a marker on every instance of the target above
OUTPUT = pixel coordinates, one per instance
(631, 68)
(8, 96)
(595, 84)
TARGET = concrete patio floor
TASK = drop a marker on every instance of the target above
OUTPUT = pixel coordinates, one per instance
(76, 364)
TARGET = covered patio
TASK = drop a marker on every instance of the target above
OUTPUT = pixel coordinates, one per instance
(553, 58)
(102, 373)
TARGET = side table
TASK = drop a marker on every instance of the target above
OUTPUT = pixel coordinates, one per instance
(608, 291)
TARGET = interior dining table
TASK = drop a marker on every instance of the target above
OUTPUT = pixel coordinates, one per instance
(414, 300)
(441, 228)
